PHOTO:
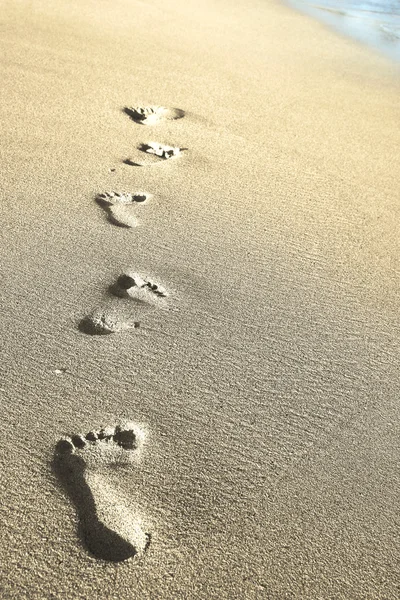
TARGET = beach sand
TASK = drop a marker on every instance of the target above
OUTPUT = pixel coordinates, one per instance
(265, 383)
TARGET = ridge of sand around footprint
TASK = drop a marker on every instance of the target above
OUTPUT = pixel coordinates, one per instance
(108, 528)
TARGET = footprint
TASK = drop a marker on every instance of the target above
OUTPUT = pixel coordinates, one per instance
(110, 530)
(152, 115)
(119, 316)
(163, 152)
(118, 206)
(113, 198)
(141, 289)
(106, 321)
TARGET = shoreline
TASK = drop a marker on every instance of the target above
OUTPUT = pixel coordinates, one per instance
(377, 30)
(266, 379)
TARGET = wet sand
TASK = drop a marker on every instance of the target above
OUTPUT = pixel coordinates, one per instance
(266, 377)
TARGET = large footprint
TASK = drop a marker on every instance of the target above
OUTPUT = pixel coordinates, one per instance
(109, 529)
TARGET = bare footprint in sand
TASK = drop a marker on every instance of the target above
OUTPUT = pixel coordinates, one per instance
(162, 151)
(153, 115)
(105, 321)
(110, 530)
(118, 317)
(119, 206)
(141, 289)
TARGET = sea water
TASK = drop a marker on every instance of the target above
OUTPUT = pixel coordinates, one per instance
(374, 22)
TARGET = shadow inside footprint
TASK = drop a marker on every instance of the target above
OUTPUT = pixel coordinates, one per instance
(131, 163)
(101, 540)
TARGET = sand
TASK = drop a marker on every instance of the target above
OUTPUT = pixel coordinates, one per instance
(266, 379)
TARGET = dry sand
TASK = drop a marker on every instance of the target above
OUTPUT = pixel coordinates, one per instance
(267, 382)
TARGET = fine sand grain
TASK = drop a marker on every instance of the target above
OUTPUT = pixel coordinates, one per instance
(252, 313)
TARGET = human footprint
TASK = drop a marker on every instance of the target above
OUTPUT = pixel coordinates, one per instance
(110, 530)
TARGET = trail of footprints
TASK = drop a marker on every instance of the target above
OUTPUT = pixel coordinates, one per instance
(111, 530)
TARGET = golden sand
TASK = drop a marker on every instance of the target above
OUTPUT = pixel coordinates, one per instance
(267, 379)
